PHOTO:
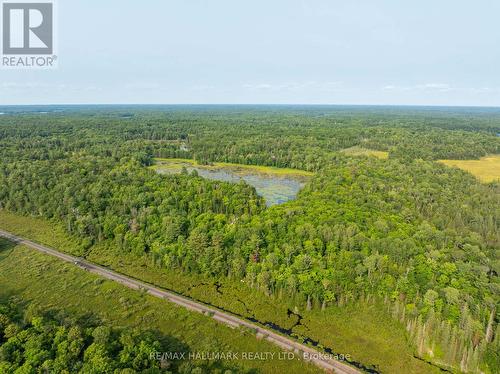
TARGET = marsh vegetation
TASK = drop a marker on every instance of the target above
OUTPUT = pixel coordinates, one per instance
(275, 185)
(399, 232)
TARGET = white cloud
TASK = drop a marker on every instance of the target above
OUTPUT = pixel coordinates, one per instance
(293, 86)
(441, 87)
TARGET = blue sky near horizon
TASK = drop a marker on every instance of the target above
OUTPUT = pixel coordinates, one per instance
(269, 52)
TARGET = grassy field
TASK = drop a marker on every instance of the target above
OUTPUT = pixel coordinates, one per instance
(486, 169)
(365, 332)
(360, 151)
(239, 168)
(59, 287)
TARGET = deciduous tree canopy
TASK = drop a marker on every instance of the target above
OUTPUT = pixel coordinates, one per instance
(406, 230)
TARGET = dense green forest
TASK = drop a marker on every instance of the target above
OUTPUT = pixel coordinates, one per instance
(32, 341)
(55, 342)
(416, 234)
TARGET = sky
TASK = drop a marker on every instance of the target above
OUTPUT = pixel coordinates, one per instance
(377, 52)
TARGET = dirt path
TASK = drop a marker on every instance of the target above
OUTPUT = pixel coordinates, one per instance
(309, 354)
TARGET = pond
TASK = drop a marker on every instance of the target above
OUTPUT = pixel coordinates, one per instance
(275, 188)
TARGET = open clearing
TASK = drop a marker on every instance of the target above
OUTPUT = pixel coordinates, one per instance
(486, 169)
(360, 151)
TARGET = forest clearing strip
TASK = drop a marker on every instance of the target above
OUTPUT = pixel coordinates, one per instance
(316, 357)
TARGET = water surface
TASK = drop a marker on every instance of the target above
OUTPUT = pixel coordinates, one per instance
(275, 189)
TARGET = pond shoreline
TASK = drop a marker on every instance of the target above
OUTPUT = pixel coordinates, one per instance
(242, 168)
(275, 185)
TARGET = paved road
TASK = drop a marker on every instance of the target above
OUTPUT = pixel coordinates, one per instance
(321, 360)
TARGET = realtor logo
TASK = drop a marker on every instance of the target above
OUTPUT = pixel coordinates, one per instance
(28, 34)
(27, 29)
